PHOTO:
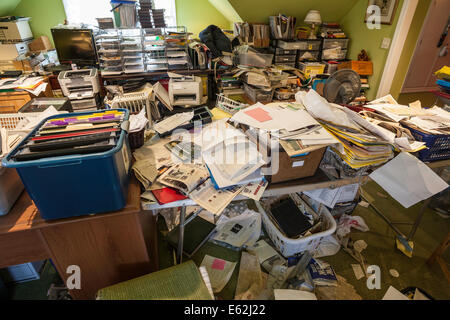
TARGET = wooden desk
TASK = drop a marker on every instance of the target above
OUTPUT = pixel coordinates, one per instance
(11, 102)
(109, 248)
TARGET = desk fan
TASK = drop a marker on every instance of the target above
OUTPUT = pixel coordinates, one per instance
(342, 87)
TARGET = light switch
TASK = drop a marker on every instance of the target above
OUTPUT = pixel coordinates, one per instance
(385, 44)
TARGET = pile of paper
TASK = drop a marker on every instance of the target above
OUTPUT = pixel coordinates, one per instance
(298, 132)
(359, 147)
(433, 120)
(231, 158)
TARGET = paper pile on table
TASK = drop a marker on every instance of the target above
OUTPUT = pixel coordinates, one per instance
(359, 147)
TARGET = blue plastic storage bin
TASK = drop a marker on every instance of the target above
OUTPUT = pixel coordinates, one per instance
(75, 185)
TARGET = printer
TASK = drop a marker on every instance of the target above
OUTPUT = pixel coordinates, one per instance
(81, 87)
(185, 90)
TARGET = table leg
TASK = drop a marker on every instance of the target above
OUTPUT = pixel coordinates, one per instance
(181, 235)
(418, 220)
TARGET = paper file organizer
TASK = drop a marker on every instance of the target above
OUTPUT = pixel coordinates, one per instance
(77, 184)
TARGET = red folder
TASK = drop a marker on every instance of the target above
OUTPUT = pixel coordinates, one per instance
(167, 195)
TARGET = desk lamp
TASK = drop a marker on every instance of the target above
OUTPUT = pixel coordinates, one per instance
(313, 18)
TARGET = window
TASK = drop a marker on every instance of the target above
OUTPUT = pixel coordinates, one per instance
(170, 13)
(86, 11)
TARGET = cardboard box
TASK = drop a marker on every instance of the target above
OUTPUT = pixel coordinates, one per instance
(16, 30)
(24, 65)
(296, 167)
(40, 44)
(363, 68)
(12, 50)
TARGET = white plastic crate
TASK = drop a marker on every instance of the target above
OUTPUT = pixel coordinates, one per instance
(229, 105)
(289, 247)
(133, 101)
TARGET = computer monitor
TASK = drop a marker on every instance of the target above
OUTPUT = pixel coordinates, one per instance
(75, 46)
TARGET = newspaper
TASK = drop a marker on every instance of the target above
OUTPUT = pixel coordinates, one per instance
(219, 271)
(156, 153)
(213, 200)
(184, 177)
(255, 190)
(330, 197)
(241, 230)
(146, 172)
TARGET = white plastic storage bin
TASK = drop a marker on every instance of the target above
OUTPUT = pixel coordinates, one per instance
(289, 247)
(10, 189)
(22, 272)
(334, 43)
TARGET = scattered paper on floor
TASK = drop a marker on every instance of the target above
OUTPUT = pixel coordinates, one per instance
(250, 281)
(289, 294)
(358, 271)
(394, 294)
(244, 229)
(219, 271)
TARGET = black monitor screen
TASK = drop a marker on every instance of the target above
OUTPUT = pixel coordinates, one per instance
(75, 46)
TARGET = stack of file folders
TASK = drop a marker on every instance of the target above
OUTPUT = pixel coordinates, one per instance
(74, 134)
(360, 148)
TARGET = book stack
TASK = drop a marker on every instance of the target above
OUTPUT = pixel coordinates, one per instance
(144, 13)
(331, 30)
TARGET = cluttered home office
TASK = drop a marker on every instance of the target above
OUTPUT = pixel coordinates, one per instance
(224, 150)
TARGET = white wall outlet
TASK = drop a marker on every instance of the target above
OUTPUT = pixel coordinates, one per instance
(386, 43)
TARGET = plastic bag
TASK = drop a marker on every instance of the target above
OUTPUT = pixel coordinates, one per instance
(347, 222)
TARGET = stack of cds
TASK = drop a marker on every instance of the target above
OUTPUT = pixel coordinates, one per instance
(144, 13)
(158, 18)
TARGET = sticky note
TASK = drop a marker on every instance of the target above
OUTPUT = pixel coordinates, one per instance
(259, 114)
(218, 264)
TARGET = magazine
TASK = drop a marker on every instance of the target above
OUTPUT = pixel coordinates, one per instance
(184, 177)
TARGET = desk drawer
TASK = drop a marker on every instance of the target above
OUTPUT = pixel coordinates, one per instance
(279, 59)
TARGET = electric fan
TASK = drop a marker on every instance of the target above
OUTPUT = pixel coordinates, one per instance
(342, 87)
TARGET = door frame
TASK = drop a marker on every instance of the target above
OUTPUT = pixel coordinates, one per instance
(401, 32)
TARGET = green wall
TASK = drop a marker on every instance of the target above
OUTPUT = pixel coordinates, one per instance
(44, 14)
(260, 10)
(7, 6)
(410, 45)
(196, 15)
(370, 40)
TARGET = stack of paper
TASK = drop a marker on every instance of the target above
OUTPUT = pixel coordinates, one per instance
(231, 158)
(297, 130)
(359, 146)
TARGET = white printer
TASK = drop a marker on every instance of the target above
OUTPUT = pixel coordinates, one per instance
(185, 90)
(79, 84)
(81, 87)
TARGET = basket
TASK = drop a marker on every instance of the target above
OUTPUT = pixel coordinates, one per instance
(136, 139)
(289, 247)
(229, 105)
(438, 145)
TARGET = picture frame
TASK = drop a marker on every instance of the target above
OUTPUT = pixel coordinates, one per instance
(388, 9)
